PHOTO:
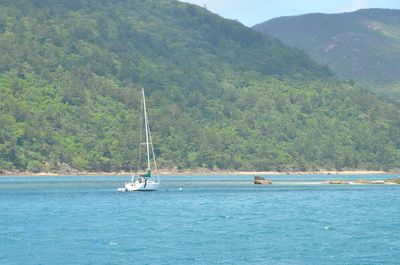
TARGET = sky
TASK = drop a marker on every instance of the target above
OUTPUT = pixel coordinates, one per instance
(251, 12)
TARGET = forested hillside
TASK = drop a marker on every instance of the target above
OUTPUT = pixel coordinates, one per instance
(220, 95)
(363, 46)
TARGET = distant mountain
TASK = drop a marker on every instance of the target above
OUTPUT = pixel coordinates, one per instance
(220, 95)
(363, 46)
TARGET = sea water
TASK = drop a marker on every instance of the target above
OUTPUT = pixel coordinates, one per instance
(198, 220)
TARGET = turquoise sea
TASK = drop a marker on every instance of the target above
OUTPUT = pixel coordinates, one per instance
(198, 220)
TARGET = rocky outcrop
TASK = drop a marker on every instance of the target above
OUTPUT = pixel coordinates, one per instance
(367, 182)
(392, 181)
(262, 181)
(336, 182)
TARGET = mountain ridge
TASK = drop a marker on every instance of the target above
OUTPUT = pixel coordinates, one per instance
(361, 46)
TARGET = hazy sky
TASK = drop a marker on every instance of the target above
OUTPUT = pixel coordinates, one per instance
(251, 12)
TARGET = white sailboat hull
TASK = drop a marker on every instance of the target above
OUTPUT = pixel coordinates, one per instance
(144, 182)
(140, 186)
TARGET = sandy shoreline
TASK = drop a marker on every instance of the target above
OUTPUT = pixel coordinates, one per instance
(196, 173)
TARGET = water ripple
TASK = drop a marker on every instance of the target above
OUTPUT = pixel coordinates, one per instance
(83, 220)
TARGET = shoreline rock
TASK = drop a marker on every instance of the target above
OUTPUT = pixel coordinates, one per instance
(368, 182)
(262, 181)
(392, 181)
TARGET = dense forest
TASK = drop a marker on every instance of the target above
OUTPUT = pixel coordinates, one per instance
(220, 95)
(362, 46)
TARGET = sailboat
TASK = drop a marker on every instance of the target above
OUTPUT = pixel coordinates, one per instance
(146, 181)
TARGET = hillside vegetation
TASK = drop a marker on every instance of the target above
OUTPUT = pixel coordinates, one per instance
(219, 94)
(362, 46)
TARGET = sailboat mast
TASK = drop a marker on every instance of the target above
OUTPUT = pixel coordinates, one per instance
(146, 125)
